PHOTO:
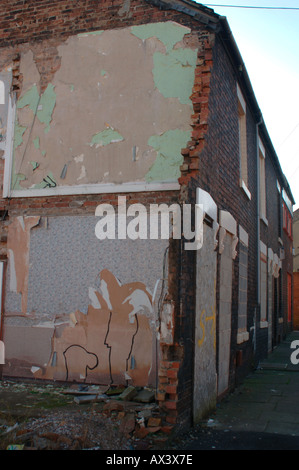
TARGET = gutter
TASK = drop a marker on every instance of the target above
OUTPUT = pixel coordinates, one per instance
(197, 11)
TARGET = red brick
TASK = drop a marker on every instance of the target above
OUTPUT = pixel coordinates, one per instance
(172, 373)
(171, 388)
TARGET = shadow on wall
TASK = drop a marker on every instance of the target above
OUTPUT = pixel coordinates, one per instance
(112, 343)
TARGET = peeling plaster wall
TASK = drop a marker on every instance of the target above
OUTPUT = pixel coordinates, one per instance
(91, 300)
(116, 110)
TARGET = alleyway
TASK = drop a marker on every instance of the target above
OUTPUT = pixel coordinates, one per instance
(262, 414)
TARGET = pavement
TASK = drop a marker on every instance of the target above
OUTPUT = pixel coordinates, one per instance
(261, 414)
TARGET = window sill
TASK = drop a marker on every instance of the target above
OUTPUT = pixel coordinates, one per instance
(243, 186)
(263, 324)
(264, 220)
(242, 336)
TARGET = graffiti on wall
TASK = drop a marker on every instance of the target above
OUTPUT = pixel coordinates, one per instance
(112, 343)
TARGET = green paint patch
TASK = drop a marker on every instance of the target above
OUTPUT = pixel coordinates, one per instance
(168, 33)
(47, 182)
(30, 99)
(46, 106)
(36, 143)
(16, 178)
(106, 137)
(91, 33)
(18, 136)
(169, 159)
(174, 73)
(35, 165)
(43, 106)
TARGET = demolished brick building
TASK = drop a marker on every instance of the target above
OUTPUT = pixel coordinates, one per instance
(132, 104)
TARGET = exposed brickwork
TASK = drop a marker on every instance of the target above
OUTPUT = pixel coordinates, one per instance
(199, 118)
(167, 394)
(44, 19)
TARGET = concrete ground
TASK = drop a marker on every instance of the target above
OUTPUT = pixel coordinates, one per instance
(263, 413)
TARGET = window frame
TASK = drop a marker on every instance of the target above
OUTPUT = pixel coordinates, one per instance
(243, 157)
(262, 183)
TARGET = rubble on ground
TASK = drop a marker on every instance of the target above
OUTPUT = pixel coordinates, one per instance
(84, 416)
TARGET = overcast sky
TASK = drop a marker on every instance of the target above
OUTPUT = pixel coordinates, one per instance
(268, 40)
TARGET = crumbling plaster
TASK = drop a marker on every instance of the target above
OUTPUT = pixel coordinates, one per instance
(117, 100)
(97, 313)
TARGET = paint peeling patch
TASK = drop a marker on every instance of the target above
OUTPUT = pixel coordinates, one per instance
(82, 173)
(94, 298)
(42, 106)
(91, 33)
(47, 182)
(167, 323)
(169, 159)
(16, 178)
(174, 73)
(168, 33)
(46, 106)
(106, 137)
(111, 342)
(30, 99)
(18, 243)
(18, 137)
(36, 142)
(35, 165)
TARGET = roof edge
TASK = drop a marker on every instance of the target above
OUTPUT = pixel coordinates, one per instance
(218, 24)
(227, 35)
(199, 12)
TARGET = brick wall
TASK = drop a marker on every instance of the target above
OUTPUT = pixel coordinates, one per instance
(44, 19)
(211, 161)
(219, 175)
(42, 26)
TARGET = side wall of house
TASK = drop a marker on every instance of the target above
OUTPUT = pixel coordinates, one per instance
(78, 307)
(250, 272)
(219, 175)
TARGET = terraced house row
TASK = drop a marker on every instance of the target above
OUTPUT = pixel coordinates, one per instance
(124, 106)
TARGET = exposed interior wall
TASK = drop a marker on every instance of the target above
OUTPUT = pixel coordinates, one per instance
(75, 130)
(79, 308)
